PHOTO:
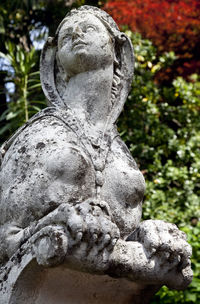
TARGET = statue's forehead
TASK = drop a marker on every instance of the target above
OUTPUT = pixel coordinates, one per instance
(81, 19)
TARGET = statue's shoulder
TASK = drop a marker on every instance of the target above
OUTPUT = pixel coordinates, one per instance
(47, 126)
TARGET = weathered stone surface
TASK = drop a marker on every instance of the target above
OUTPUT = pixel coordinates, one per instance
(70, 192)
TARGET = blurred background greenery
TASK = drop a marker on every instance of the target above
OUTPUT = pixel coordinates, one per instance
(160, 122)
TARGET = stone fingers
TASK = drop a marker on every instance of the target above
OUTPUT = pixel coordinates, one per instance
(94, 230)
(110, 234)
(88, 222)
(76, 227)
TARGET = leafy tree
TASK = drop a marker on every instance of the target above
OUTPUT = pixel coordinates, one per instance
(161, 126)
(171, 25)
(27, 98)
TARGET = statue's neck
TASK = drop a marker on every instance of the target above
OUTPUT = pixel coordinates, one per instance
(88, 94)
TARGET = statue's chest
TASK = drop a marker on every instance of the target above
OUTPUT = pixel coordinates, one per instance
(60, 168)
(122, 182)
(73, 170)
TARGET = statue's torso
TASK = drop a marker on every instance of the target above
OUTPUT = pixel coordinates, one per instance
(47, 165)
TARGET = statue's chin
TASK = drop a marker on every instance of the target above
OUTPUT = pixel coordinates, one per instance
(80, 64)
(81, 61)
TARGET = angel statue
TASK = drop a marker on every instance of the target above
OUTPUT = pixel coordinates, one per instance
(70, 192)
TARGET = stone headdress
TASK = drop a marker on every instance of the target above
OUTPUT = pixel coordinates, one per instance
(52, 82)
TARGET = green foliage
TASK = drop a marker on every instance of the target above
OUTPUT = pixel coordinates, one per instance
(28, 98)
(161, 126)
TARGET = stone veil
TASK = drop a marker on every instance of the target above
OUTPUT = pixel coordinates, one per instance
(70, 192)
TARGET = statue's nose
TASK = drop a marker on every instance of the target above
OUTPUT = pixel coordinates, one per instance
(77, 32)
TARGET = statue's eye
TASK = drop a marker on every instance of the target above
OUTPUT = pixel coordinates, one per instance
(67, 36)
(90, 28)
(65, 39)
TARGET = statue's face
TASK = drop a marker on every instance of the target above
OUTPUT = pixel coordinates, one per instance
(84, 44)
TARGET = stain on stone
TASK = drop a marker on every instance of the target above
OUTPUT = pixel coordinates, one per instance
(19, 257)
(23, 177)
(22, 150)
(5, 277)
(40, 145)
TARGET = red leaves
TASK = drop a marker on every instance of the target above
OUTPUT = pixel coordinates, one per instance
(170, 24)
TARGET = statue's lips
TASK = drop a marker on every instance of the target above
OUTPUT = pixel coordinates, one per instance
(78, 43)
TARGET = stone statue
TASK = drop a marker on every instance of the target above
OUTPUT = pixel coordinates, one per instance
(70, 192)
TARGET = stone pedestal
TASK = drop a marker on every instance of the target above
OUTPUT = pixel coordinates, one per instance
(60, 285)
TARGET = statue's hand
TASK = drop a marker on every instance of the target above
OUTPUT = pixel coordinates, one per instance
(89, 221)
(166, 250)
(87, 229)
(98, 229)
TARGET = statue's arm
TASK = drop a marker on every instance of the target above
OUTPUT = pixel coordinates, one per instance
(156, 252)
(84, 230)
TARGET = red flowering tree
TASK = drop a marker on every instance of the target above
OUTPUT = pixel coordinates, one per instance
(172, 25)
